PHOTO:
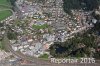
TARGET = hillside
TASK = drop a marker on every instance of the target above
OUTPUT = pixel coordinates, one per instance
(87, 5)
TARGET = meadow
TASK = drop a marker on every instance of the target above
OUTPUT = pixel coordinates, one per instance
(5, 9)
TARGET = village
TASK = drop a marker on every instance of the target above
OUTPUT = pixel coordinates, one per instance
(40, 25)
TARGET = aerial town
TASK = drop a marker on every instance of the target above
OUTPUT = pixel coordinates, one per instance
(33, 27)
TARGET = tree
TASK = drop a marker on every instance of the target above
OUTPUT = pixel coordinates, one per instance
(12, 2)
(11, 35)
(80, 4)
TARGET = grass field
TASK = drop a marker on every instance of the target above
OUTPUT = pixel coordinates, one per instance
(40, 26)
(1, 46)
(3, 7)
(4, 4)
(5, 14)
(44, 56)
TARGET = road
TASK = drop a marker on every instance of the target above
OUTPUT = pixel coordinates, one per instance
(39, 62)
(36, 61)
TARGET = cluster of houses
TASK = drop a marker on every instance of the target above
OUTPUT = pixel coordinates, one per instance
(28, 46)
(37, 42)
(8, 19)
(4, 54)
(51, 12)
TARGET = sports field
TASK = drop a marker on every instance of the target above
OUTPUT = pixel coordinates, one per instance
(40, 26)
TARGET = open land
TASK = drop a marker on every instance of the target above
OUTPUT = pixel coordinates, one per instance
(4, 9)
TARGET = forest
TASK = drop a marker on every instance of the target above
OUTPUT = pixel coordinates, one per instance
(87, 5)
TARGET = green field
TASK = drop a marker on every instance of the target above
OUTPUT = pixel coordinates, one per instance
(44, 56)
(40, 26)
(1, 46)
(5, 9)
(5, 14)
(4, 2)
